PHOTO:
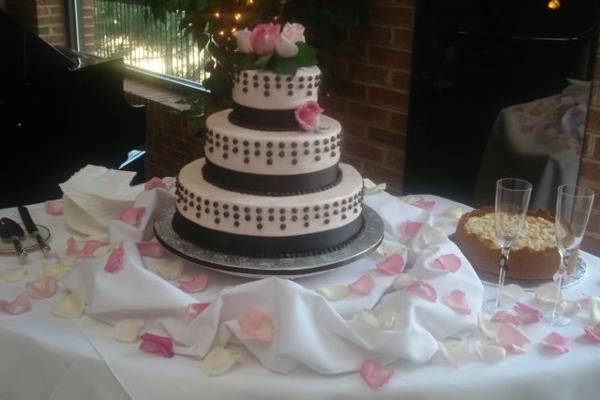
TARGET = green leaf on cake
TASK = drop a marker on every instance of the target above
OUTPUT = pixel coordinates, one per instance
(244, 60)
(307, 55)
(262, 62)
(285, 66)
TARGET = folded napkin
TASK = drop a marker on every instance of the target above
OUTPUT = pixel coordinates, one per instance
(94, 196)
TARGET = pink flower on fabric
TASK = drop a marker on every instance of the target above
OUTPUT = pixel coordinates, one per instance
(21, 304)
(264, 38)
(363, 285)
(457, 300)
(54, 208)
(90, 246)
(422, 289)
(527, 314)
(511, 338)
(154, 183)
(308, 116)
(115, 260)
(592, 334)
(194, 285)
(375, 374)
(503, 316)
(194, 309)
(392, 265)
(411, 228)
(448, 262)
(150, 248)
(42, 288)
(556, 343)
(425, 204)
(156, 344)
(132, 216)
(256, 325)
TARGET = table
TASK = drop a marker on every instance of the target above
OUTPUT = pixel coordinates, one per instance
(48, 358)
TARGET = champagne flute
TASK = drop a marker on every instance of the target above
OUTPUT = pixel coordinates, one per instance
(573, 208)
(512, 202)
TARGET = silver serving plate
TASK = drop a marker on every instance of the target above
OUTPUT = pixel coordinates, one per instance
(359, 246)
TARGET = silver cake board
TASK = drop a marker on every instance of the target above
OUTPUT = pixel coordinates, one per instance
(363, 243)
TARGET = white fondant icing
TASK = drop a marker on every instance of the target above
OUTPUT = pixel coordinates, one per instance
(230, 146)
(264, 91)
(329, 209)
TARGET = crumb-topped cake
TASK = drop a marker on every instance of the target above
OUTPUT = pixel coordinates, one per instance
(533, 254)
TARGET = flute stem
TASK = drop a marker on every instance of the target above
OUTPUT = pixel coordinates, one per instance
(501, 275)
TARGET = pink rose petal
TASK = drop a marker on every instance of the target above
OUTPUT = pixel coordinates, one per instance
(150, 248)
(556, 343)
(411, 228)
(375, 374)
(194, 285)
(90, 247)
(256, 325)
(21, 304)
(592, 334)
(363, 285)
(527, 314)
(132, 216)
(161, 345)
(504, 316)
(392, 265)
(115, 260)
(194, 309)
(42, 288)
(457, 300)
(74, 248)
(448, 262)
(154, 183)
(422, 289)
(511, 338)
(308, 116)
(54, 208)
(425, 204)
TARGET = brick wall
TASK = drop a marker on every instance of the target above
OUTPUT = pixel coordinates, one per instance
(589, 173)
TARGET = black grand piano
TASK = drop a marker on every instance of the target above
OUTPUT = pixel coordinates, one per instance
(59, 111)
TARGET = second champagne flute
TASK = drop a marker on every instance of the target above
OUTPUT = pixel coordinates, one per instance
(512, 202)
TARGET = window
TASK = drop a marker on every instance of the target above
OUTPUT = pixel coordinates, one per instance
(127, 29)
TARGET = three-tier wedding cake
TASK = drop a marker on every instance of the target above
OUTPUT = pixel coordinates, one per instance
(271, 181)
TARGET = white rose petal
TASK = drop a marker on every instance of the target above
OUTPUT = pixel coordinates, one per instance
(513, 292)
(570, 307)
(389, 247)
(486, 327)
(103, 250)
(286, 48)
(595, 310)
(454, 351)
(381, 319)
(454, 212)
(547, 294)
(403, 280)
(219, 361)
(490, 353)
(243, 41)
(334, 292)
(372, 188)
(14, 274)
(70, 306)
(172, 270)
(56, 271)
(128, 330)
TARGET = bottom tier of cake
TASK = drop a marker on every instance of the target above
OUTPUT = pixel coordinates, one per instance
(251, 224)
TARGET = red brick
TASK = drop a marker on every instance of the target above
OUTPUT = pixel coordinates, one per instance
(388, 97)
(591, 245)
(373, 115)
(403, 38)
(332, 104)
(53, 20)
(387, 137)
(49, 2)
(391, 58)
(353, 129)
(373, 34)
(362, 150)
(396, 16)
(590, 170)
(395, 159)
(351, 89)
(399, 122)
(401, 80)
(594, 119)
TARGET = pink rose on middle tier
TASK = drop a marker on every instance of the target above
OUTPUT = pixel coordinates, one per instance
(264, 38)
(308, 116)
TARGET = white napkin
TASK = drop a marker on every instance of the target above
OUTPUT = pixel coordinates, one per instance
(94, 196)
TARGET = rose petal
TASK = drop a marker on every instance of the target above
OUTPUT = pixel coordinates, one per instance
(454, 351)
(150, 248)
(375, 374)
(513, 292)
(527, 314)
(570, 307)
(556, 343)
(585, 301)
(115, 261)
(511, 338)
(504, 316)
(411, 228)
(334, 292)
(156, 344)
(128, 330)
(381, 319)
(422, 289)
(219, 361)
(90, 247)
(171, 270)
(74, 248)
(490, 353)
(154, 183)
(363, 285)
(132, 216)
(372, 188)
(404, 280)
(54, 208)
(454, 212)
(392, 265)
(56, 271)
(72, 305)
(548, 293)
(194, 309)
(448, 262)
(387, 248)
(457, 300)
(592, 334)
(194, 285)
(425, 204)
(20, 305)
(256, 325)
(595, 310)
(42, 288)
(485, 327)
(14, 274)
